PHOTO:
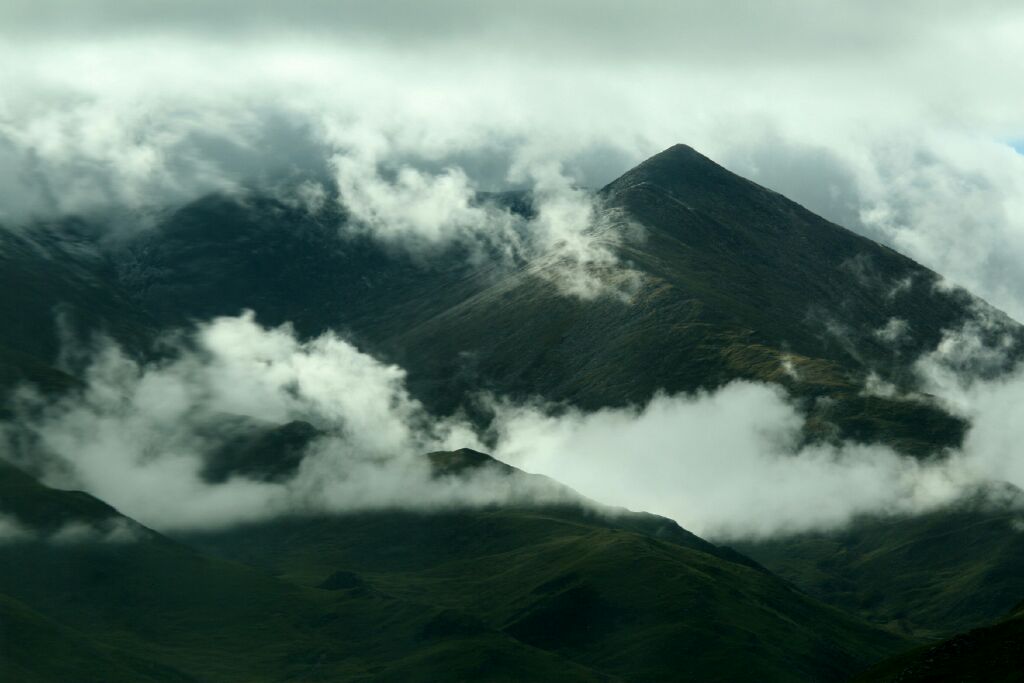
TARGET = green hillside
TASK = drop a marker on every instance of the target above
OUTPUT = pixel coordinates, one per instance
(991, 654)
(492, 594)
(932, 575)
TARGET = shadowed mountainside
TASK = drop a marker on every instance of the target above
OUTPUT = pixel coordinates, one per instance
(737, 282)
(490, 594)
(991, 654)
(930, 575)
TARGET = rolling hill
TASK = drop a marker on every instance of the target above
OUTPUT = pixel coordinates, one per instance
(489, 594)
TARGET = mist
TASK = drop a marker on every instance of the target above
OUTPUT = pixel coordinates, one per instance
(897, 122)
(726, 464)
(139, 436)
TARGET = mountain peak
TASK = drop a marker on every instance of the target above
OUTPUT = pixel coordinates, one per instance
(680, 170)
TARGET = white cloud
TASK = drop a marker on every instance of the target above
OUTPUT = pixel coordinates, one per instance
(138, 436)
(892, 119)
(894, 331)
(12, 530)
(74, 532)
(725, 464)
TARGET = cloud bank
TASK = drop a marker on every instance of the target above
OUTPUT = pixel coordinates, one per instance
(726, 464)
(895, 120)
(116, 530)
(140, 436)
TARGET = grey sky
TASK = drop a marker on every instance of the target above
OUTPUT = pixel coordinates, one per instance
(891, 118)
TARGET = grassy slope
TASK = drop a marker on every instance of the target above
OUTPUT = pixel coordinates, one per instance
(991, 654)
(34, 649)
(931, 575)
(632, 596)
(157, 610)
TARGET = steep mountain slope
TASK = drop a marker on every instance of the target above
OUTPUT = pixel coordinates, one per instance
(933, 575)
(496, 594)
(993, 654)
(736, 282)
(629, 595)
(59, 285)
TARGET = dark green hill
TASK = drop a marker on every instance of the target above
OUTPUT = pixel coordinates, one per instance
(34, 649)
(627, 594)
(991, 654)
(934, 574)
(146, 608)
(491, 594)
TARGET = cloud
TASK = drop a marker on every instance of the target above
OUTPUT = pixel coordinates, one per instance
(894, 331)
(140, 436)
(12, 530)
(569, 240)
(973, 373)
(74, 532)
(138, 105)
(727, 464)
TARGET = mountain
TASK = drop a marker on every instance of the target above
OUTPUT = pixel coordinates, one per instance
(993, 654)
(492, 594)
(931, 575)
(734, 282)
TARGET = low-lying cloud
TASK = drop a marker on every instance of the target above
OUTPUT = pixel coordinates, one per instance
(139, 436)
(75, 532)
(569, 238)
(726, 464)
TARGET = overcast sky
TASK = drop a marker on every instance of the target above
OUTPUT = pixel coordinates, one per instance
(895, 119)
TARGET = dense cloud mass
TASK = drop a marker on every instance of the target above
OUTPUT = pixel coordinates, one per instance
(139, 436)
(726, 464)
(896, 120)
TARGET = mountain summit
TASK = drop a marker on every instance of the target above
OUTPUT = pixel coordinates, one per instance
(735, 282)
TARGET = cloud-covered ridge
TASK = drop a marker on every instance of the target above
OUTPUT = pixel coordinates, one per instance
(727, 464)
